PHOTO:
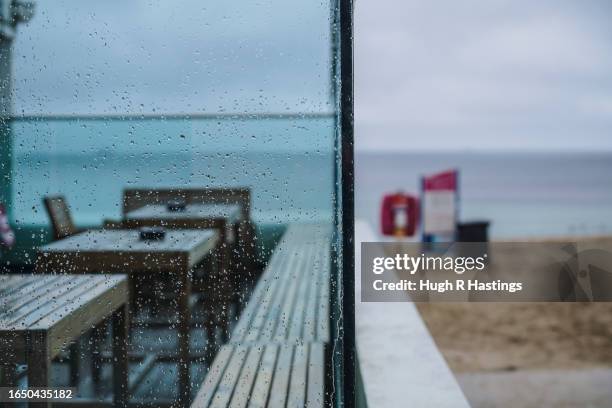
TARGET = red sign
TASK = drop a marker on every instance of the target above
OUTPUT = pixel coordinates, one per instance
(442, 181)
(440, 199)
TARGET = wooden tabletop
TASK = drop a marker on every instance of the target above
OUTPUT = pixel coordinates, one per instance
(124, 249)
(229, 212)
(64, 306)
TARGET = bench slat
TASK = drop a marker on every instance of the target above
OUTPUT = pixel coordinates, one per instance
(259, 395)
(316, 376)
(323, 331)
(278, 392)
(290, 327)
(278, 320)
(310, 319)
(271, 302)
(291, 300)
(299, 379)
(265, 376)
(262, 297)
(247, 378)
(230, 377)
(213, 377)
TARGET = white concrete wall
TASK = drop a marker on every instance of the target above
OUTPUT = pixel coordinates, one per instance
(399, 361)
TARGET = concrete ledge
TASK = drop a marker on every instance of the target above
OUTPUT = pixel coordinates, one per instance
(400, 363)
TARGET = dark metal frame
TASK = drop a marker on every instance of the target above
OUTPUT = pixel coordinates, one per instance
(343, 355)
(348, 198)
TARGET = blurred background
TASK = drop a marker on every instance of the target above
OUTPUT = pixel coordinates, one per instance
(517, 96)
(514, 95)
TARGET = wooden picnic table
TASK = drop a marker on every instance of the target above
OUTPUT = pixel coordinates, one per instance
(222, 217)
(122, 251)
(196, 216)
(41, 314)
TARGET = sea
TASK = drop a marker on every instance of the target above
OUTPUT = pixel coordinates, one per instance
(521, 194)
(288, 163)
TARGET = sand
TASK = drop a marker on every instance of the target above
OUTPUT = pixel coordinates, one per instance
(511, 336)
(539, 388)
(494, 347)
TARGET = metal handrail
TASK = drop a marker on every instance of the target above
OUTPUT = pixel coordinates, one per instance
(165, 116)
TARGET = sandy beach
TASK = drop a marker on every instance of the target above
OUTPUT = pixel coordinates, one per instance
(488, 345)
(515, 336)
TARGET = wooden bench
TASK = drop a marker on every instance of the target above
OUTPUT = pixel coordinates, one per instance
(276, 356)
(42, 314)
(290, 303)
(265, 375)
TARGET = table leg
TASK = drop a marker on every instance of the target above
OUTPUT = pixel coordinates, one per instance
(226, 285)
(74, 359)
(97, 337)
(245, 271)
(39, 364)
(183, 291)
(8, 375)
(120, 322)
(211, 327)
(222, 258)
(133, 297)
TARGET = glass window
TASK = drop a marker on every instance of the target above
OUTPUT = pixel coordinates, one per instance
(171, 181)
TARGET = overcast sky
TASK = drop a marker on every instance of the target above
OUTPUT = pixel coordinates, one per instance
(490, 74)
(118, 56)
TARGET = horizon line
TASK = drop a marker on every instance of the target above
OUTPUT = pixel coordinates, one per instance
(387, 150)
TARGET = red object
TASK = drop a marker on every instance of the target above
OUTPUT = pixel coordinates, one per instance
(446, 180)
(399, 214)
(7, 236)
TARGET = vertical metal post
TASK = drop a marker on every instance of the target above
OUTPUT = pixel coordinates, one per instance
(12, 12)
(6, 145)
(345, 380)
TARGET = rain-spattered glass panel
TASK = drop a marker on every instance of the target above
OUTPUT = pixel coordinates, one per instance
(186, 87)
(287, 162)
(169, 198)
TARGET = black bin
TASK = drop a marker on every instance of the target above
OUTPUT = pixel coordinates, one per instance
(473, 231)
(477, 234)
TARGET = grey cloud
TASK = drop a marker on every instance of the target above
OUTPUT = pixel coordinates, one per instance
(80, 56)
(483, 74)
